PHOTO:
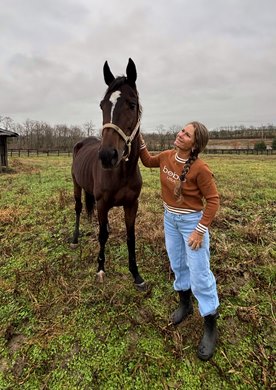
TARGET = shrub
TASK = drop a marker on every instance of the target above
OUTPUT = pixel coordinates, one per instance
(260, 145)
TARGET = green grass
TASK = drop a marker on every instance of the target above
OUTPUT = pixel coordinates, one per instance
(61, 329)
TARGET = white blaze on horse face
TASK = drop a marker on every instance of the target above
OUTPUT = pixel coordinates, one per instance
(113, 99)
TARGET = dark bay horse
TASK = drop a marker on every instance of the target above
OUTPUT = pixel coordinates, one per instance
(107, 168)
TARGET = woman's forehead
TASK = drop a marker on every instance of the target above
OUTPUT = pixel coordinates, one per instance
(189, 128)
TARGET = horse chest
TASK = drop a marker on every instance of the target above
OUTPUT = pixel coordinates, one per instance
(118, 195)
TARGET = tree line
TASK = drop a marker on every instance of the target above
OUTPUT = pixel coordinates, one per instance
(243, 132)
(41, 135)
(164, 139)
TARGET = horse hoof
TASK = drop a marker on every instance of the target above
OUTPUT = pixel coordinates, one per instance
(74, 246)
(100, 276)
(141, 286)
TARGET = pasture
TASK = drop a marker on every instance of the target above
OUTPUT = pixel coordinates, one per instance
(61, 329)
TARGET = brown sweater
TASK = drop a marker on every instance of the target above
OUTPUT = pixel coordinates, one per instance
(199, 185)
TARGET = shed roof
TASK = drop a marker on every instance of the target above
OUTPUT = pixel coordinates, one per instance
(8, 133)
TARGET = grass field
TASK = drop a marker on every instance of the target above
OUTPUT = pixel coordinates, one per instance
(61, 329)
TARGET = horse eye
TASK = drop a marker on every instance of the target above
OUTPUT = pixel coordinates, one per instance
(132, 105)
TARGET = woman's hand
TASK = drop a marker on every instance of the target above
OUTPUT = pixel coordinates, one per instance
(195, 240)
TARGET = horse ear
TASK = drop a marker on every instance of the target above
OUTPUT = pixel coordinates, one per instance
(131, 71)
(108, 76)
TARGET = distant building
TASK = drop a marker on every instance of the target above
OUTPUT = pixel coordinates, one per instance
(4, 134)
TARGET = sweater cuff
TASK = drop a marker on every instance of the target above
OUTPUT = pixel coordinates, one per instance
(201, 228)
(143, 146)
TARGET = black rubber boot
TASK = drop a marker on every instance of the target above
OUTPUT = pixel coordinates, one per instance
(208, 342)
(185, 307)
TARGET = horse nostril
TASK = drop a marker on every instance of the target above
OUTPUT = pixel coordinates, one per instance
(108, 157)
(114, 157)
(114, 153)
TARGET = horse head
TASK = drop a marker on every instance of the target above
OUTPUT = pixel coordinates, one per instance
(121, 116)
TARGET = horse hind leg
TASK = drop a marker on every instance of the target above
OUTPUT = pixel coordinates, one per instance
(78, 210)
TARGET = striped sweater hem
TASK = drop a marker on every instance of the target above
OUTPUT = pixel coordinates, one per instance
(200, 228)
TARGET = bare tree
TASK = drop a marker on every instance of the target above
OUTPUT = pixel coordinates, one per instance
(174, 129)
(162, 136)
(28, 132)
(6, 122)
(89, 128)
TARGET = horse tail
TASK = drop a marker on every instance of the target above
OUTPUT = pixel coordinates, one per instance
(89, 204)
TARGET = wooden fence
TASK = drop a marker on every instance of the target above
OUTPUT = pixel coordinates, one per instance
(39, 152)
(56, 152)
(239, 151)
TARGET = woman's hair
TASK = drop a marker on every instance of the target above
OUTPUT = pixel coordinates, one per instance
(201, 140)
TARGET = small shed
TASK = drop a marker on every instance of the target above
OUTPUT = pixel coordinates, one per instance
(4, 134)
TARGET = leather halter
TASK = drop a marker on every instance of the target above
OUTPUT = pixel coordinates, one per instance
(127, 138)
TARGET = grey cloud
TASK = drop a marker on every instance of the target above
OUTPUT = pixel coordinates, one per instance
(213, 61)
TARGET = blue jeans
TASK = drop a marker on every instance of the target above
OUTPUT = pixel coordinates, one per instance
(191, 267)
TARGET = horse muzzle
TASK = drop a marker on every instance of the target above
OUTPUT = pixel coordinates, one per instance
(108, 157)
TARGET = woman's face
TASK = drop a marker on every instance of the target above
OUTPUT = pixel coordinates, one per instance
(185, 139)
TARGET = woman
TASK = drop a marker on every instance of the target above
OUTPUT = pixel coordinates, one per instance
(190, 201)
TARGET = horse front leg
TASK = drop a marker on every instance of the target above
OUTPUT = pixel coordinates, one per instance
(103, 236)
(130, 216)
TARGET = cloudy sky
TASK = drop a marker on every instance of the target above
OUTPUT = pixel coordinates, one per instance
(213, 61)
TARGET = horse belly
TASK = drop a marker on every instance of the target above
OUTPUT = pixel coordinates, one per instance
(84, 172)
